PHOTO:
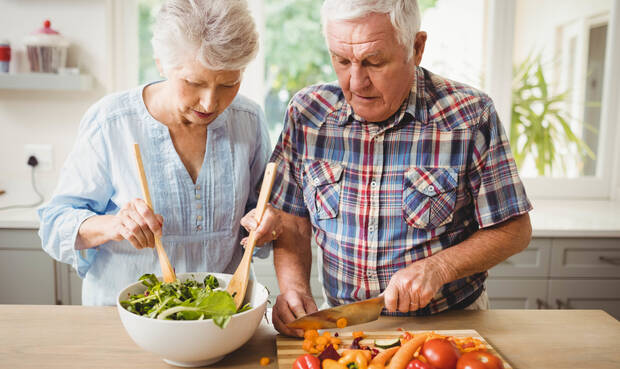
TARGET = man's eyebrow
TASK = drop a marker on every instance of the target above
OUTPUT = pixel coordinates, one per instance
(366, 56)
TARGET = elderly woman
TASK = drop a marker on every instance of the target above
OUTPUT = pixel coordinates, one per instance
(204, 149)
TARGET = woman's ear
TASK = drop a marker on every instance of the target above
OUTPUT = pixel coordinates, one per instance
(159, 68)
(418, 46)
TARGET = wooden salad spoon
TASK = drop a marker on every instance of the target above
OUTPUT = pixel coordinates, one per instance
(166, 268)
(239, 282)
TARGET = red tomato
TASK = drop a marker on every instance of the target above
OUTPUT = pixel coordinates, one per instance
(307, 361)
(441, 353)
(417, 364)
(479, 360)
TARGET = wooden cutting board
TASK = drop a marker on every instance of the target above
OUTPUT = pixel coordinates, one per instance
(290, 349)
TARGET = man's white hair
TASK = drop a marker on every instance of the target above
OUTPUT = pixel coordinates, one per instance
(221, 34)
(404, 15)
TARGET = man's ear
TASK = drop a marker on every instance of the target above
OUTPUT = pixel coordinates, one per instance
(418, 46)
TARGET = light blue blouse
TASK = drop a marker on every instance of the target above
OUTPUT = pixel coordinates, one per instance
(201, 229)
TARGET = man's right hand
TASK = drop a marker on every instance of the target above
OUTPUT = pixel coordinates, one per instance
(290, 306)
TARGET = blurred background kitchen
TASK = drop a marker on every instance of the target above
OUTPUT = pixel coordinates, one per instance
(551, 66)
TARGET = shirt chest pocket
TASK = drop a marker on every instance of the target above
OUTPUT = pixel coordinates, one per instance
(429, 196)
(322, 188)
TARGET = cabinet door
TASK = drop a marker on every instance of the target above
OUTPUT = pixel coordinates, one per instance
(586, 258)
(517, 293)
(69, 285)
(586, 294)
(531, 262)
(26, 268)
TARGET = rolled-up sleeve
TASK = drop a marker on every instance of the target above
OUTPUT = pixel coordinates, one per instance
(496, 188)
(83, 190)
(287, 193)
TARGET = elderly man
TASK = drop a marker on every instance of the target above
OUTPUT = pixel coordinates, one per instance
(405, 179)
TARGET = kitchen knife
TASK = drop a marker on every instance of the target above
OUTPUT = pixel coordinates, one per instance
(355, 313)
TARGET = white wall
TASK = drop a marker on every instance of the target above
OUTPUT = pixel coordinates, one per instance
(42, 117)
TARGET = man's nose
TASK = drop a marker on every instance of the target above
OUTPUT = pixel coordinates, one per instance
(359, 78)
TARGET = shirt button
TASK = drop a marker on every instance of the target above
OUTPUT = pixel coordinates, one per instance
(317, 181)
(199, 227)
(197, 196)
(371, 228)
(198, 187)
(373, 184)
(199, 206)
(199, 217)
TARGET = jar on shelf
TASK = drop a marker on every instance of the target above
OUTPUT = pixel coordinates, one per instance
(46, 49)
(5, 56)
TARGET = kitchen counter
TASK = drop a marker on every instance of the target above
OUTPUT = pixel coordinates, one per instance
(550, 218)
(93, 337)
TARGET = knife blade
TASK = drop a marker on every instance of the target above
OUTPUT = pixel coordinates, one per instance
(355, 313)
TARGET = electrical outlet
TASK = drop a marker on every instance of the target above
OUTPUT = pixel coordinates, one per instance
(43, 153)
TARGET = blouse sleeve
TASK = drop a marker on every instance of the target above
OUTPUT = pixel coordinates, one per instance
(84, 190)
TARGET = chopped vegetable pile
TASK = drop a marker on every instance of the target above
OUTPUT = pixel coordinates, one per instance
(188, 300)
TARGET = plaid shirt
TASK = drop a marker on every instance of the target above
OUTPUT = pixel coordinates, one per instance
(382, 195)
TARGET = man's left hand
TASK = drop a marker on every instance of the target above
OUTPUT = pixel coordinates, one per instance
(413, 287)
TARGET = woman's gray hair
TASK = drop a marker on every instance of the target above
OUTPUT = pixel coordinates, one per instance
(221, 34)
(404, 15)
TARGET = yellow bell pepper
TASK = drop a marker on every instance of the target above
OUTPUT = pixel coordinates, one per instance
(332, 364)
(358, 357)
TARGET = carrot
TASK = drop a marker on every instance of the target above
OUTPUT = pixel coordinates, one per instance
(378, 362)
(341, 323)
(403, 356)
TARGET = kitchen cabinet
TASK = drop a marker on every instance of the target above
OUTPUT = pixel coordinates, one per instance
(560, 273)
(28, 273)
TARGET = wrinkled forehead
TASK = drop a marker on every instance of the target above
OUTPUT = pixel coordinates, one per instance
(370, 34)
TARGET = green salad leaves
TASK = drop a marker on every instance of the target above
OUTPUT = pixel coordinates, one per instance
(188, 300)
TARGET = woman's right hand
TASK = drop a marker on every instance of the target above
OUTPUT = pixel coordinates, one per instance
(137, 223)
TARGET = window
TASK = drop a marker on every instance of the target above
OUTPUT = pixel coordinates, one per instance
(546, 63)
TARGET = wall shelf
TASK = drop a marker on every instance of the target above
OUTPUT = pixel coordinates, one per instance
(46, 82)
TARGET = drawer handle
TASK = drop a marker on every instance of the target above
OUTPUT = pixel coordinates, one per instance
(613, 261)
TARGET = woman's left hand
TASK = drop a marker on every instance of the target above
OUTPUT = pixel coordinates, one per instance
(269, 228)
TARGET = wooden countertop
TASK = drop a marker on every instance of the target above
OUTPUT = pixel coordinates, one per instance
(93, 337)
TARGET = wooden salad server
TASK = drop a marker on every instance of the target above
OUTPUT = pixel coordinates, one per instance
(239, 281)
(166, 268)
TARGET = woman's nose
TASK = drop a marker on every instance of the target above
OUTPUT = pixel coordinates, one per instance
(208, 100)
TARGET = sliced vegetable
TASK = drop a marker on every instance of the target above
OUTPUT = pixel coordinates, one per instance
(386, 344)
(264, 361)
(342, 322)
(329, 353)
(307, 361)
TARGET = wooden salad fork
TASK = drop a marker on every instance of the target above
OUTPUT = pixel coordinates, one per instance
(239, 282)
(166, 268)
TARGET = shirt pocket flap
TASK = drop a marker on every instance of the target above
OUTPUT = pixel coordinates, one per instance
(432, 181)
(322, 172)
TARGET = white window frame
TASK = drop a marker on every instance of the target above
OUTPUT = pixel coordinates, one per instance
(123, 72)
(606, 185)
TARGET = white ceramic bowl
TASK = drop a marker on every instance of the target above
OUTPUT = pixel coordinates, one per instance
(192, 343)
